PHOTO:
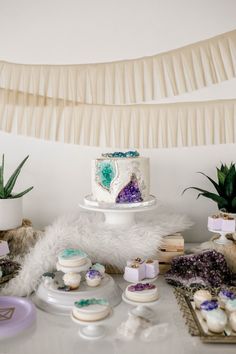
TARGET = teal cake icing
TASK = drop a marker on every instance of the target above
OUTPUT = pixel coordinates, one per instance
(105, 174)
(72, 252)
(121, 154)
(86, 302)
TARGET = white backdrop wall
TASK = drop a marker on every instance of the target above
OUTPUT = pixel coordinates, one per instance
(79, 31)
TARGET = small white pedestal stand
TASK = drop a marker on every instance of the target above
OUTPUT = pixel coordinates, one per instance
(142, 309)
(222, 240)
(92, 330)
(119, 214)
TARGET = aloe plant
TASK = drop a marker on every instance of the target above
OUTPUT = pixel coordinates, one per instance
(6, 191)
(225, 187)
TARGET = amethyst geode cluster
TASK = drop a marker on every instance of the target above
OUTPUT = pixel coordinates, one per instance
(208, 268)
(130, 193)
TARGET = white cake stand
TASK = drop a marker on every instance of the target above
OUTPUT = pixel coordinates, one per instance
(50, 299)
(142, 309)
(222, 240)
(146, 280)
(119, 214)
(92, 330)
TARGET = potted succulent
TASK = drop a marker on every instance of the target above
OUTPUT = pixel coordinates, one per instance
(225, 187)
(11, 203)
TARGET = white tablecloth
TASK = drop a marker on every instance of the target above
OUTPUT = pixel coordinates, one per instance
(59, 335)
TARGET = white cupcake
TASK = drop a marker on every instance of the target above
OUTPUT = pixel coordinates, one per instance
(93, 277)
(230, 306)
(72, 280)
(216, 320)
(99, 267)
(224, 296)
(208, 306)
(200, 296)
(232, 321)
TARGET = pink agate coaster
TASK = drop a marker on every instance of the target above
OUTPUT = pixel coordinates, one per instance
(16, 314)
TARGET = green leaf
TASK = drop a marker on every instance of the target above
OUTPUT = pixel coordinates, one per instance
(217, 187)
(18, 195)
(229, 182)
(2, 178)
(12, 180)
(233, 203)
(216, 198)
(221, 177)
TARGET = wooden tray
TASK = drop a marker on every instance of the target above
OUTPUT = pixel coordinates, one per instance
(196, 325)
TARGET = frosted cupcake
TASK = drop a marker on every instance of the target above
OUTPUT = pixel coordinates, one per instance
(224, 296)
(230, 306)
(200, 296)
(208, 306)
(232, 321)
(72, 280)
(216, 320)
(93, 277)
(99, 267)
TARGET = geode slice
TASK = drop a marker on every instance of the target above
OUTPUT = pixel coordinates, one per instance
(208, 268)
(130, 193)
(105, 174)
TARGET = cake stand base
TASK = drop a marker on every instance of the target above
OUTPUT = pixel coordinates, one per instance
(222, 240)
(119, 214)
(92, 330)
(50, 299)
(142, 309)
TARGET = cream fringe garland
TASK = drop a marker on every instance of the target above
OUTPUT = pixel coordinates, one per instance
(140, 126)
(129, 81)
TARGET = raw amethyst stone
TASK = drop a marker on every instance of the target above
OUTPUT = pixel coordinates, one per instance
(93, 273)
(141, 287)
(208, 268)
(130, 193)
(209, 305)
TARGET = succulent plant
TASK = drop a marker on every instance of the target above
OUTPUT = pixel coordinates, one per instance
(225, 187)
(6, 190)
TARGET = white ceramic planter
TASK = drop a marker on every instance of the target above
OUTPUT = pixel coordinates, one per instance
(11, 213)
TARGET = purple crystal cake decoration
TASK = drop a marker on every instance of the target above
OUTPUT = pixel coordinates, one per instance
(207, 269)
(209, 305)
(141, 287)
(227, 294)
(93, 273)
(130, 193)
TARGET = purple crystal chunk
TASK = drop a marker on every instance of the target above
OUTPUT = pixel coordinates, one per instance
(207, 268)
(227, 294)
(130, 193)
(141, 287)
(93, 273)
(209, 305)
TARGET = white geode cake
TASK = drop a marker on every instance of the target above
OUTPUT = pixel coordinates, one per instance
(120, 178)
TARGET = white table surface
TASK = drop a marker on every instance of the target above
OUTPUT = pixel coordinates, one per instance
(59, 335)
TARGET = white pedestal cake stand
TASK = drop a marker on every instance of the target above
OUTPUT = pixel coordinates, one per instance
(50, 299)
(92, 330)
(142, 309)
(222, 240)
(119, 214)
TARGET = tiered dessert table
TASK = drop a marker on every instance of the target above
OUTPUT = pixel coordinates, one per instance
(59, 335)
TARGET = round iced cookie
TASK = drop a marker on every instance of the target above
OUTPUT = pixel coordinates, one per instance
(216, 320)
(230, 306)
(142, 292)
(99, 267)
(225, 295)
(200, 296)
(72, 257)
(232, 321)
(72, 280)
(208, 306)
(90, 310)
(93, 277)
